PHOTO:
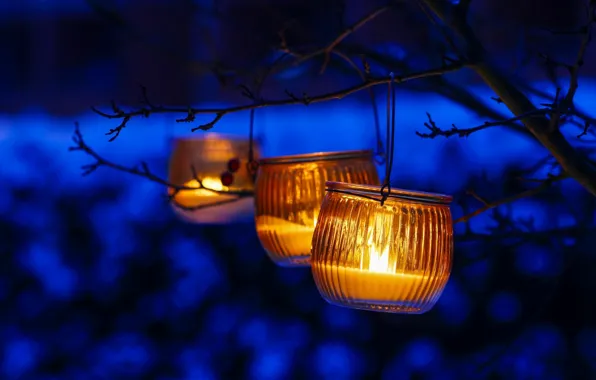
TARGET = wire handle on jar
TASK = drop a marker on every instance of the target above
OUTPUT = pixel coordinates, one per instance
(386, 188)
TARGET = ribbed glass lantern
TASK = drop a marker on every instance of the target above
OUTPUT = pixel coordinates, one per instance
(394, 257)
(288, 196)
(210, 155)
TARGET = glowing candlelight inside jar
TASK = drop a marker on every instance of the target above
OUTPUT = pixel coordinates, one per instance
(394, 257)
(207, 157)
(379, 284)
(287, 237)
(202, 196)
(222, 207)
(288, 195)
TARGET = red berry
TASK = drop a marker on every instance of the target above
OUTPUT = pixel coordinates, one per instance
(234, 165)
(227, 178)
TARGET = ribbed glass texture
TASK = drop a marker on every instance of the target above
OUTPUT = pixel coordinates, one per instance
(393, 258)
(288, 196)
(210, 154)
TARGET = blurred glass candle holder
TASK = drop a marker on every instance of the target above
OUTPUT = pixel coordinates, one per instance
(288, 195)
(395, 257)
(210, 155)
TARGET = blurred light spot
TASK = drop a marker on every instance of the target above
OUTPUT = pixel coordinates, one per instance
(34, 216)
(6, 200)
(569, 241)
(421, 353)
(543, 341)
(533, 259)
(142, 202)
(480, 224)
(293, 334)
(199, 272)
(20, 356)
(392, 49)
(521, 366)
(565, 220)
(270, 363)
(108, 270)
(45, 262)
(477, 273)
(504, 307)
(222, 319)
(339, 318)
(529, 209)
(337, 360)
(254, 333)
(200, 371)
(122, 355)
(197, 364)
(454, 304)
(117, 236)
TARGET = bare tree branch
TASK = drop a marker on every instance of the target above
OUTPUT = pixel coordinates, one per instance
(587, 120)
(570, 159)
(291, 100)
(551, 110)
(586, 31)
(327, 50)
(487, 205)
(144, 171)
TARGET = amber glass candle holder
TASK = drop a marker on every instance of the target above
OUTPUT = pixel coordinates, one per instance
(288, 196)
(210, 155)
(394, 257)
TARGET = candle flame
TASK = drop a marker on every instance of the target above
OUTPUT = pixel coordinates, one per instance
(379, 260)
(208, 182)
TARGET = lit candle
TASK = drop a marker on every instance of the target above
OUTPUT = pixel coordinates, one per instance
(394, 257)
(232, 208)
(378, 284)
(290, 237)
(201, 197)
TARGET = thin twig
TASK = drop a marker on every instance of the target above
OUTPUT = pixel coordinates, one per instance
(327, 50)
(144, 171)
(586, 120)
(435, 131)
(373, 100)
(291, 100)
(586, 31)
(545, 183)
(576, 164)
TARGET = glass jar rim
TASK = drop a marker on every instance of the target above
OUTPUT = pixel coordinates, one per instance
(372, 191)
(318, 156)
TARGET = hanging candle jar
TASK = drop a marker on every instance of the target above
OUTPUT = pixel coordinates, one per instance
(288, 195)
(220, 163)
(395, 257)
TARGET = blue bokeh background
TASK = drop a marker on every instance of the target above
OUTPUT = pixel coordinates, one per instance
(99, 279)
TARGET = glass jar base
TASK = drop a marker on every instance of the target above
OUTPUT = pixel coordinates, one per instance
(379, 306)
(294, 261)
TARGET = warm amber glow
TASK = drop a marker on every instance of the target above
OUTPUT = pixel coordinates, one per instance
(190, 198)
(394, 258)
(209, 154)
(289, 191)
